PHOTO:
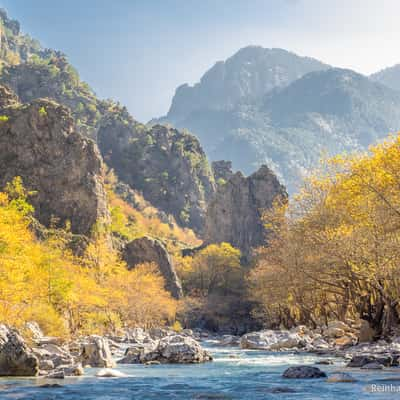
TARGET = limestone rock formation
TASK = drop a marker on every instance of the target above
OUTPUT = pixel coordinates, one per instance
(16, 358)
(146, 249)
(168, 166)
(38, 143)
(96, 353)
(234, 214)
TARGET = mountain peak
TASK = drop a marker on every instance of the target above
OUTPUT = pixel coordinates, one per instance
(247, 75)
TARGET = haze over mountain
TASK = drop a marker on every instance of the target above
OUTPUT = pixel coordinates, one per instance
(389, 76)
(271, 106)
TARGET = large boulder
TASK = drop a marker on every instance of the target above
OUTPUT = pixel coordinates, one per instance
(96, 353)
(146, 249)
(39, 143)
(173, 348)
(271, 340)
(234, 215)
(16, 358)
(303, 372)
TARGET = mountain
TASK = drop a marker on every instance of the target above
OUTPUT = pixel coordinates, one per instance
(389, 77)
(287, 126)
(168, 166)
(244, 77)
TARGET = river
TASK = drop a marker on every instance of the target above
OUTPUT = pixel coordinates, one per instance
(234, 374)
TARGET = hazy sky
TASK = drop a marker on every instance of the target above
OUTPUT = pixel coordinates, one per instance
(139, 51)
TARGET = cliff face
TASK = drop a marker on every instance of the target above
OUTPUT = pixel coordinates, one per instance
(168, 166)
(234, 214)
(38, 143)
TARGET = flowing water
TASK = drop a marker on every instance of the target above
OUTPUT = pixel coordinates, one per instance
(234, 374)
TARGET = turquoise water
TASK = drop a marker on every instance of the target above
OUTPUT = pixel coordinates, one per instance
(235, 374)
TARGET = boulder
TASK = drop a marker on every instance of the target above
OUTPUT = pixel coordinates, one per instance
(54, 354)
(270, 340)
(181, 349)
(341, 377)
(56, 375)
(73, 370)
(96, 352)
(303, 372)
(345, 341)
(16, 358)
(229, 340)
(169, 349)
(359, 361)
(234, 215)
(372, 365)
(150, 250)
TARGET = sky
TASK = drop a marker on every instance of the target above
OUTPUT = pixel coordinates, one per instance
(138, 51)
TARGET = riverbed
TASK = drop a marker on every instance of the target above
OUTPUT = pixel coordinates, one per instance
(234, 374)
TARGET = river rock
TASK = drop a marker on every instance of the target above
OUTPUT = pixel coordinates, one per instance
(270, 340)
(341, 377)
(372, 365)
(229, 340)
(303, 372)
(181, 349)
(146, 249)
(110, 373)
(170, 349)
(56, 375)
(16, 358)
(54, 354)
(96, 352)
(72, 370)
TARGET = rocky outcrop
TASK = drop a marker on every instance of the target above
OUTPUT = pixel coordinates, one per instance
(96, 353)
(148, 250)
(234, 214)
(168, 166)
(38, 143)
(16, 358)
(303, 372)
(222, 171)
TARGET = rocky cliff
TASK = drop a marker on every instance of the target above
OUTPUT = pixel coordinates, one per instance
(38, 142)
(234, 214)
(168, 166)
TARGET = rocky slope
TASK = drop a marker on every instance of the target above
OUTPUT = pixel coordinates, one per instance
(287, 125)
(389, 77)
(38, 143)
(168, 166)
(234, 214)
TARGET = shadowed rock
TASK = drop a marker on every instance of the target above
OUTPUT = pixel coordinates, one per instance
(150, 250)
